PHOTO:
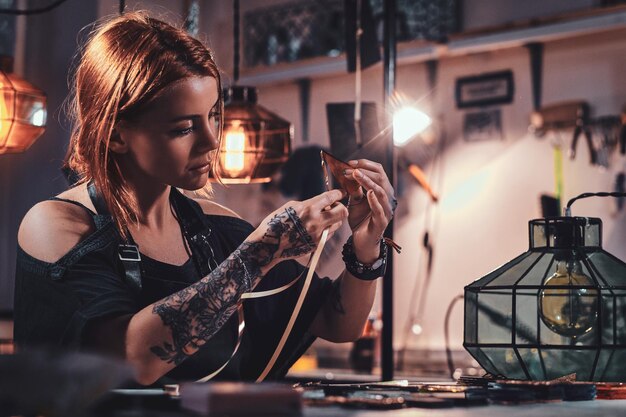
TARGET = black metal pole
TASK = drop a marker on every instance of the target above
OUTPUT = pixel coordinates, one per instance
(236, 41)
(389, 45)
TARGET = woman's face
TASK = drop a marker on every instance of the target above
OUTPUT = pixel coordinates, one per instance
(170, 142)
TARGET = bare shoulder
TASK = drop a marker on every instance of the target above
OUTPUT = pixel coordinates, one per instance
(213, 208)
(51, 228)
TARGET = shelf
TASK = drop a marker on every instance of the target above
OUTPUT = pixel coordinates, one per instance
(544, 33)
(593, 22)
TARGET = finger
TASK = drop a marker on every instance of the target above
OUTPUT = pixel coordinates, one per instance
(338, 213)
(380, 179)
(378, 212)
(369, 184)
(369, 165)
(325, 199)
(376, 177)
(332, 229)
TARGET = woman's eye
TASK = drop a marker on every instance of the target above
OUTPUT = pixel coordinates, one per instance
(214, 115)
(183, 131)
(214, 118)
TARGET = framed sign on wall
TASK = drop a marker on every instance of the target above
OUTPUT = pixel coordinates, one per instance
(485, 89)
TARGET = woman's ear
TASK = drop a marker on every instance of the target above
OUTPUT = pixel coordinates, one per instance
(117, 143)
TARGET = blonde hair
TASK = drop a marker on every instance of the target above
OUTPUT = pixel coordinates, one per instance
(125, 63)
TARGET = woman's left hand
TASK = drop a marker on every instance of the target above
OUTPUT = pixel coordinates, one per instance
(370, 208)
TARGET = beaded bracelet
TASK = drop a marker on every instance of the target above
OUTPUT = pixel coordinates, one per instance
(365, 272)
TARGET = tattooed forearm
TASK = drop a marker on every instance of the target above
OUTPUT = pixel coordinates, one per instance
(290, 236)
(197, 312)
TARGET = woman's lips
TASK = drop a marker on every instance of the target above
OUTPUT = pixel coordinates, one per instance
(201, 168)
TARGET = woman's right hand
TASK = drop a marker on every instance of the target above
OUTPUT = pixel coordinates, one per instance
(295, 228)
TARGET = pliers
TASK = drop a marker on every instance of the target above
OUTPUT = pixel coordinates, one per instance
(582, 126)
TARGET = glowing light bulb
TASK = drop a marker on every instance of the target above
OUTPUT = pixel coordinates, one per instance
(5, 122)
(570, 312)
(408, 122)
(38, 116)
(234, 147)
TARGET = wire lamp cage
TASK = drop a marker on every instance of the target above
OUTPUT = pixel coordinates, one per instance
(557, 309)
(255, 141)
(22, 110)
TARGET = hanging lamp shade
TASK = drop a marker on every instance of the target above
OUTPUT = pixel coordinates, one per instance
(557, 309)
(22, 110)
(255, 142)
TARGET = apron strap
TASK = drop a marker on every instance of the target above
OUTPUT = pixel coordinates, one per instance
(127, 251)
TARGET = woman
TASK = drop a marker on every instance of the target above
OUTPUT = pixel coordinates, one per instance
(124, 264)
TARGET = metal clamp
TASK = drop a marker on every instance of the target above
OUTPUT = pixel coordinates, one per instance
(129, 253)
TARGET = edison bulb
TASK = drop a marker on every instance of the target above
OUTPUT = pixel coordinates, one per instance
(234, 146)
(570, 312)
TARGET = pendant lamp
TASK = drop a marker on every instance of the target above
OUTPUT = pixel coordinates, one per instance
(557, 309)
(22, 110)
(255, 142)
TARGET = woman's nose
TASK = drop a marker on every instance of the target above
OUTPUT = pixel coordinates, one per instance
(208, 140)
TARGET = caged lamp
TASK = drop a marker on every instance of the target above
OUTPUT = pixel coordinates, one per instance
(22, 110)
(255, 142)
(557, 309)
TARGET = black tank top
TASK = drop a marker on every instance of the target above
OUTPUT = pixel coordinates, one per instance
(56, 302)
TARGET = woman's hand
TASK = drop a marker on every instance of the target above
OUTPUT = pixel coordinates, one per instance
(295, 228)
(370, 208)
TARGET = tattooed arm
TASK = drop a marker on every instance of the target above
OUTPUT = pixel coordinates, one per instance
(164, 334)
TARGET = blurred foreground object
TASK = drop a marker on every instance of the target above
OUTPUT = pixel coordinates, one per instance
(241, 399)
(34, 383)
(6, 332)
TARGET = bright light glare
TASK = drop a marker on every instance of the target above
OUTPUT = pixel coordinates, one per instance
(408, 122)
(416, 329)
(38, 117)
(4, 122)
(234, 145)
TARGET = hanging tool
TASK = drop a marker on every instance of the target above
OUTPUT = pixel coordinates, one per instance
(622, 135)
(566, 115)
(609, 129)
(620, 187)
(419, 175)
(582, 126)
